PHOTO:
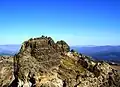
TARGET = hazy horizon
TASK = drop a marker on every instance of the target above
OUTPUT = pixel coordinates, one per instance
(78, 22)
(68, 44)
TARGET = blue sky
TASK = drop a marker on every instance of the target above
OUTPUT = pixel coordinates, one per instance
(78, 22)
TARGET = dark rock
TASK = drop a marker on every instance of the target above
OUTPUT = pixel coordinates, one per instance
(62, 44)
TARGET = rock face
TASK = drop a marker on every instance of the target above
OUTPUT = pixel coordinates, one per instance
(6, 71)
(39, 57)
(43, 63)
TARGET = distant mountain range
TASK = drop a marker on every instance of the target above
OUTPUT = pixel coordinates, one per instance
(109, 53)
(9, 49)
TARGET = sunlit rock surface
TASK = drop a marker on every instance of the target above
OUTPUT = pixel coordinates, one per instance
(6, 71)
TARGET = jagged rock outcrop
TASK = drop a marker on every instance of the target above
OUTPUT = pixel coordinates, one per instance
(43, 63)
(39, 57)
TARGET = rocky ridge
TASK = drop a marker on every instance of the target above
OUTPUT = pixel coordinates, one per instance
(43, 63)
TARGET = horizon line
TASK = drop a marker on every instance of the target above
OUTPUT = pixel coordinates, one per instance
(68, 44)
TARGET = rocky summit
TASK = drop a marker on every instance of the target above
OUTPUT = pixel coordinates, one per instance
(41, 62)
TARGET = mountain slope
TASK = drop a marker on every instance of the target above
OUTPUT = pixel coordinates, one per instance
(43, 63)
